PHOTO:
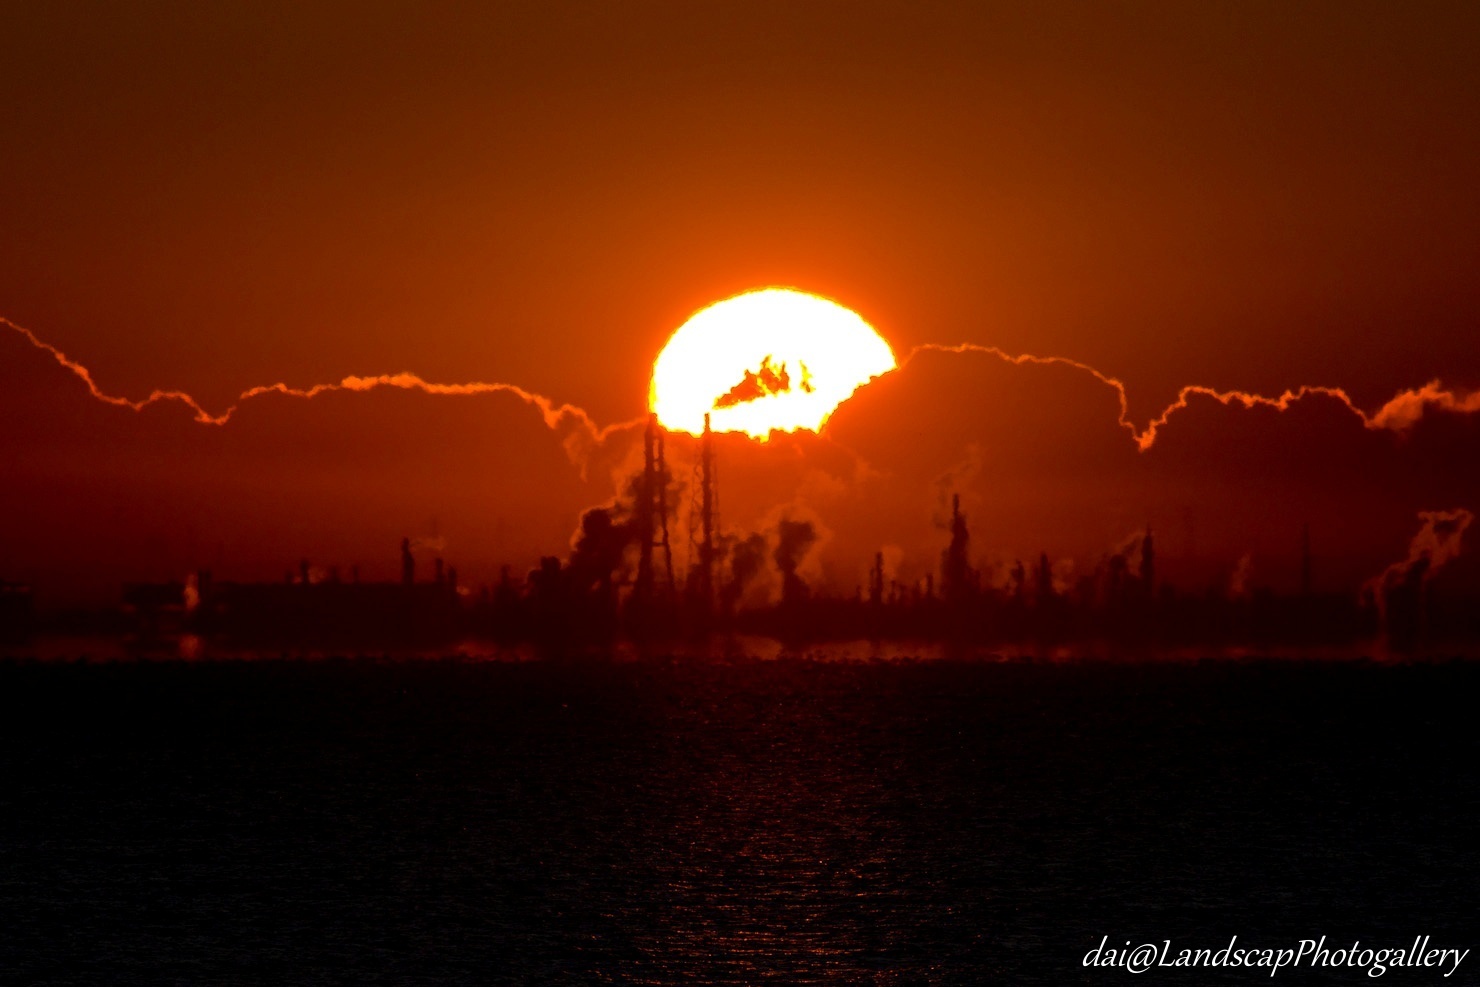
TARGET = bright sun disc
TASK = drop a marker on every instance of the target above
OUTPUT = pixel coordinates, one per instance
(776, 358)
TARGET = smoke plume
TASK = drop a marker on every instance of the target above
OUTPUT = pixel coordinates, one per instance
(1437, 542)
(793, 540)
(598, 548)
(747, 561)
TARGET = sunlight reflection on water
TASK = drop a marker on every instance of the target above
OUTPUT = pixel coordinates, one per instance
(191, 647)
(650, 820)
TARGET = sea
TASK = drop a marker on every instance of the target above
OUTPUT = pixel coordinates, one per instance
(741, 814)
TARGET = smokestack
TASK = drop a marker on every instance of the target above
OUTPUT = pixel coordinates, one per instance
(644, 518)
(408, 563)
(707, 518)
(955, 574)
(652, 511)
(660, 483)
(1305, 568)
(437, 571)
(1045, 580)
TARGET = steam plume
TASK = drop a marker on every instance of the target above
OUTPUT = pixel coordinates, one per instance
(1438, 541)
(747, 560)
(793, 540)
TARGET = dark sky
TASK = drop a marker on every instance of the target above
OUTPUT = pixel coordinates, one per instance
(214, 196)
(1242, 195)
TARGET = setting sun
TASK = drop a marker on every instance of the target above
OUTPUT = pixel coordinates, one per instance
(773, 359)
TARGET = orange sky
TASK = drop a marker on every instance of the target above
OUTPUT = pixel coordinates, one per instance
(212, 198)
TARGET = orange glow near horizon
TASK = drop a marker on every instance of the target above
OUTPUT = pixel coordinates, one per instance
(772, 359)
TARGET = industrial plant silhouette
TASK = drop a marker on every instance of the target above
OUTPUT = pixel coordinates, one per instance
(619, 581)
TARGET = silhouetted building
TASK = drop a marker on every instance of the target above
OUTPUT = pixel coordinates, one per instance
(955, 566)
(1043, 592)
(302, 608)
(1306, 582)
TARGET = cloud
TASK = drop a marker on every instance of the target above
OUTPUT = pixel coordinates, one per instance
(581, 433)
(1042, 449)
(765, 382)
(1400, 412)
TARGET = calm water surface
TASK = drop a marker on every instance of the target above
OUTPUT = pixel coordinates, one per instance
(722, 820)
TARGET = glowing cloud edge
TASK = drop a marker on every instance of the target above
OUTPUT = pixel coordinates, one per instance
(1397, 414)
